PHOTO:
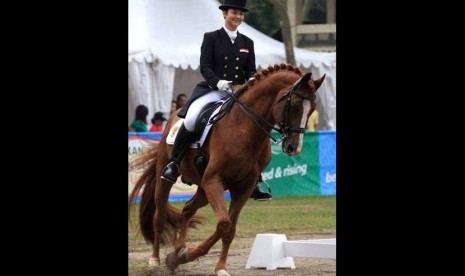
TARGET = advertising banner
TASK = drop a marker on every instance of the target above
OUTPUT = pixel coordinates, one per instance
(313, 172)
(327, 161)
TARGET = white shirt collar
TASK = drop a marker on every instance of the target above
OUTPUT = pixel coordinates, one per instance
(232, 34)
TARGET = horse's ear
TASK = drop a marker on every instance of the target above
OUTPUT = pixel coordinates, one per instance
(306, 77)
(319, 81)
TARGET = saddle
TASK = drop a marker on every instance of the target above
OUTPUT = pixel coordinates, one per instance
(208, 116)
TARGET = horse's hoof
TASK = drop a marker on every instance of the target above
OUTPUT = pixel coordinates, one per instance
(222, 272)
(182, 256)
(154, 263)
(171, 262)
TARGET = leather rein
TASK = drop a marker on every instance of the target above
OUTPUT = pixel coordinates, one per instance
(282, 127)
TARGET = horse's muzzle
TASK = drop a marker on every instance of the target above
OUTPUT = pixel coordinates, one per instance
(289, 148)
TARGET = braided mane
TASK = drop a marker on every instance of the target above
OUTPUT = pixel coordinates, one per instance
(259, 76)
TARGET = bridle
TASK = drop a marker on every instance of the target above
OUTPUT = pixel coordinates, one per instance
(282, 127)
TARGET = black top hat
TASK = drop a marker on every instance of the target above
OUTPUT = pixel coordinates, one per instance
(234, 4)
(158, 116)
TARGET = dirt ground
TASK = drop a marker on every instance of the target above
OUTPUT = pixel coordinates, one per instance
(237, 260)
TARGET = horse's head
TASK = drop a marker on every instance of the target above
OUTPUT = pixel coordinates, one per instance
(292, 110)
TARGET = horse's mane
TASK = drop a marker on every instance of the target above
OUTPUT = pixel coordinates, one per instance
(259, 76)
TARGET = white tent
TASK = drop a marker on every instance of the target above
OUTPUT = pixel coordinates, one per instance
(165, 38)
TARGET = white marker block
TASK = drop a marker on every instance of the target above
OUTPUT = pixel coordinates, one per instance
(268, 252)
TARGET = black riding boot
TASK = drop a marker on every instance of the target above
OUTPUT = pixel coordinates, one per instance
(183, 139)
(259, 195)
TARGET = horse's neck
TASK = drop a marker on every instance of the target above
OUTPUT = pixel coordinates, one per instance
(261, 97)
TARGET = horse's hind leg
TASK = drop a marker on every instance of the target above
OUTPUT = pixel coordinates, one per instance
(215, 194)
(190, 208)
(173, 260)
(161, 201)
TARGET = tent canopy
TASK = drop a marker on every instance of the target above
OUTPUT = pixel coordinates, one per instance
(167, 34)
(172, 31)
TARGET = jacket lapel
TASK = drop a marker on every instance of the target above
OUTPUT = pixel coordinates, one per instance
(238, 43)
(226, 41)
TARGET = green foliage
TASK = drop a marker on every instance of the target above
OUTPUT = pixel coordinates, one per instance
(317, 13)
(264, 17)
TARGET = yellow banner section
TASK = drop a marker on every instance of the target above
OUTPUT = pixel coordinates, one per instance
(136, 145)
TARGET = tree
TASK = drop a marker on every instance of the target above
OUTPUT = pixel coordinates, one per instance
(263, 16)
(270, 17)
(286, 32)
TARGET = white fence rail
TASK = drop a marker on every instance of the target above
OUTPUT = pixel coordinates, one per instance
(272, 251)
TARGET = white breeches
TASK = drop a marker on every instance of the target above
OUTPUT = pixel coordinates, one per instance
(195, 108)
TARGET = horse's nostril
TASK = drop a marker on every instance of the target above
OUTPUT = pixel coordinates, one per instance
(290, 148)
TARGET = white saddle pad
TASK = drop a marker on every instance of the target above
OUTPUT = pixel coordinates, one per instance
(197, 144)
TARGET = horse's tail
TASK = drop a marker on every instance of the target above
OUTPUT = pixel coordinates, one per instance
(147, 160)
(147, 201)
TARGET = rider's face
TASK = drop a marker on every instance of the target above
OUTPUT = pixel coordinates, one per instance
(233, 18)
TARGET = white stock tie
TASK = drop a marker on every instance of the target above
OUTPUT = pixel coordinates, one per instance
(233, 37)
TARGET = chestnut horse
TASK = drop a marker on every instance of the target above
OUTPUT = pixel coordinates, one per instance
(238, 150)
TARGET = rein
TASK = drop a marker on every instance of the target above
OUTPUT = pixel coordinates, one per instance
(282, 128)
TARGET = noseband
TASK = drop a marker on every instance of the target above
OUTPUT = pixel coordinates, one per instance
(283, 127)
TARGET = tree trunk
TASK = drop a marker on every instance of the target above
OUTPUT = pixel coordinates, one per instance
(286, 32)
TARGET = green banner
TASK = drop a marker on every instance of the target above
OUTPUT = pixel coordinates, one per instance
(296, 175)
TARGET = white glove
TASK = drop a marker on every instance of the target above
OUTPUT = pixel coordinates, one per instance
(223, 85)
